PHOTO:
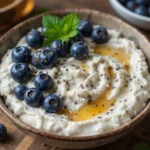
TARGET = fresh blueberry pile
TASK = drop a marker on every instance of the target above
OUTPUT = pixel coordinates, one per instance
(48, 57)
(141, 7)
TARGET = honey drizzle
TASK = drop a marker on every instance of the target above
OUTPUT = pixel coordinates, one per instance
(84, 66)
(101, 104)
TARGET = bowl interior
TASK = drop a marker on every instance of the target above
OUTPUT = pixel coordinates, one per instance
(10, 39)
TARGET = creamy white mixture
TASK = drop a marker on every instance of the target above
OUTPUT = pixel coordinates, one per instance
(75, 84)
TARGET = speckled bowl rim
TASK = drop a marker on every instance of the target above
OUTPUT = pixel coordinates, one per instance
(10, 6)
(112, 133)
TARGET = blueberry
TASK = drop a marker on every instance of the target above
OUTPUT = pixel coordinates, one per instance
(33, 97)
(100, 35)
(141, 10)
(142, 2)
(43, 81)
(21, 54)
(79, 50)
(20, 72)
(131, 5)
(123, 2)
(19, 91)
(34, 39)
(59, 47)
(85, 27)
(149, 11)
(52, 103)
(3, 132)
(78, 37)
(36, 61)
(47, 48)
(48, 59)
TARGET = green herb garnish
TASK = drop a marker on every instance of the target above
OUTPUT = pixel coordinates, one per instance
(57, 28)
(141, 146)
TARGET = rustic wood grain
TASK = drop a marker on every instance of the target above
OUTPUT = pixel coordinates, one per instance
(17, 140)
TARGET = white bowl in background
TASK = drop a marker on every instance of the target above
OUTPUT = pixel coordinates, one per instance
(133, 18)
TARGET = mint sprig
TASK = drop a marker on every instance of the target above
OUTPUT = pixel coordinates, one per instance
(141, 146)
(57, 28)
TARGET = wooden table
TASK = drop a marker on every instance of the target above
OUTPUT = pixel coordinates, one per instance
(17, 140)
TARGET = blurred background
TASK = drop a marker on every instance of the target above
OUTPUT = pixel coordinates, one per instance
(28, 8)
(135, 12)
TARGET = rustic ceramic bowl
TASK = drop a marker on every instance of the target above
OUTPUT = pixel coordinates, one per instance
(10, 39)
(11, 13)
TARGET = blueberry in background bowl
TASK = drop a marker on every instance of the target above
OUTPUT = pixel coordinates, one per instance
(142, 10)
(123, 2)
(138, 6)
(131, 5)
(143, 2)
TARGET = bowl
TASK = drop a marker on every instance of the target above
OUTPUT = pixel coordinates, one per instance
(14, 11)
(135, 19)
(10, 39)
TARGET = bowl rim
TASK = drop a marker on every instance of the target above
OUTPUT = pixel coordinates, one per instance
(21, 124)
(12, 5)
(137, 16)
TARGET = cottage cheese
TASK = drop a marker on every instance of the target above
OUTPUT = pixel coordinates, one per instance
(81, 82)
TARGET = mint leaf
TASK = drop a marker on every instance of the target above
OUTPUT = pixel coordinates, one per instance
(141, 146)
(70, 23)
(51, 22)
(51, 35)
(57, 28)
(46, 42)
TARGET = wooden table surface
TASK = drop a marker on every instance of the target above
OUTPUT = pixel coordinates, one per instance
(17, 140)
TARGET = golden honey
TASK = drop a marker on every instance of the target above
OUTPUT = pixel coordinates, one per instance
(118, 54)
(84, 66)
(102, 104)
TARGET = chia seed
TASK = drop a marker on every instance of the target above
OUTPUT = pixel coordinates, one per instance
(99, 117)
(112, 104)
(125, 100)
